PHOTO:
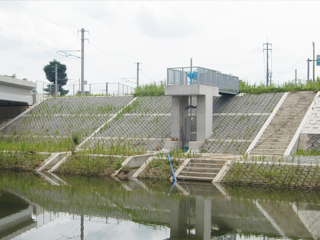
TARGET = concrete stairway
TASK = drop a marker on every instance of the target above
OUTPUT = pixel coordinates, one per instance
(199, 169)
(278, 135)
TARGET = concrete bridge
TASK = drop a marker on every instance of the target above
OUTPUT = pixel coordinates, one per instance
(15, 96)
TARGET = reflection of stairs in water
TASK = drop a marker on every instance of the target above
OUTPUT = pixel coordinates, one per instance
(200, 188)
(198, 169)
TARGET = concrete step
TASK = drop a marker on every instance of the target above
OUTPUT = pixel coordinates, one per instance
(285, 120)
(275, 138)
(207, 161)
(205, 165)
(266, 147)
(279, 140)
(287, 115)
(283, 131)
(197, 174)
(202, 169)
(268, 151)
(288, 108)
(299, 101)
(191, 178)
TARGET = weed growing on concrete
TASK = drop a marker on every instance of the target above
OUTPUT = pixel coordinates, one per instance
(311, 152)
(82, 164)
(115, 147)
(159, 169)
(21, 161)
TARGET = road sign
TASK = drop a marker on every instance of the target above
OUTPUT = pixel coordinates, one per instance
(318, 60)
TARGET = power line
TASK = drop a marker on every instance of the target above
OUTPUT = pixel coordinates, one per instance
(64, 19)
(49, 54)
(28, 39)
(293, 66)
(104, 46)
(40, 15)
(102, 51)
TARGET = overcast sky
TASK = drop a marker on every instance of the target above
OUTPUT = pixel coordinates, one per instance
(227, 36)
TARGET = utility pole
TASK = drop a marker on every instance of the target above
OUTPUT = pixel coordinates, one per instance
(314, 61)
(82, 60)
(190, 71)
(267, 49)
(138, 74)
(295, 76)
(55, 79)
(308, 68)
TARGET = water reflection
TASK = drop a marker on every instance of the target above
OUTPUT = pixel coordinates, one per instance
(82, 208)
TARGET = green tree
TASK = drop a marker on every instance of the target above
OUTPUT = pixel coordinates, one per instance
(62, 78)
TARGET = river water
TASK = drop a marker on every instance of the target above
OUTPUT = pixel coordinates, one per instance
(34, 206)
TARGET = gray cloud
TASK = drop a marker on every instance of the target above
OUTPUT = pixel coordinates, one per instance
(169, 25)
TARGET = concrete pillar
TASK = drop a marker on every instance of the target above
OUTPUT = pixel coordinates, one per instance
(179, 118)
(179, 124)
(178, 224)
(203, 218)
(204, 116)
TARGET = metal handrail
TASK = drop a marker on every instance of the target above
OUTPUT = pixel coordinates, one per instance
(173, 174)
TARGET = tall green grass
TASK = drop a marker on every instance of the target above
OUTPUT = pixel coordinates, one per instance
(149, 90)
(37, 144)
(80, 164)
(21, 161)
(244, 87)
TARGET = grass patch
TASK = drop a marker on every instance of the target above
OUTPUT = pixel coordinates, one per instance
(37, 144)
(115, 148)
(149, 90)
(80, 164)
(244, 87)
(21, 161)
(272, 174)
(159, 169)
(311, 152)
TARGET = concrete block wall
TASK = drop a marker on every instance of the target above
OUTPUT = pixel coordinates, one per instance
(59, 117)
(147, 122)
(237, 120)
(310, 134)
(274, 173)
(144, 125)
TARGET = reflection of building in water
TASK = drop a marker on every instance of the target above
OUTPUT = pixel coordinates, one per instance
(217, 217)
(202, 215)
(15, 216)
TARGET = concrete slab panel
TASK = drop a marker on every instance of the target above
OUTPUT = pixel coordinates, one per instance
(190, 90)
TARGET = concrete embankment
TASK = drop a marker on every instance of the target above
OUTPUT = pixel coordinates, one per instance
(291, 172)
